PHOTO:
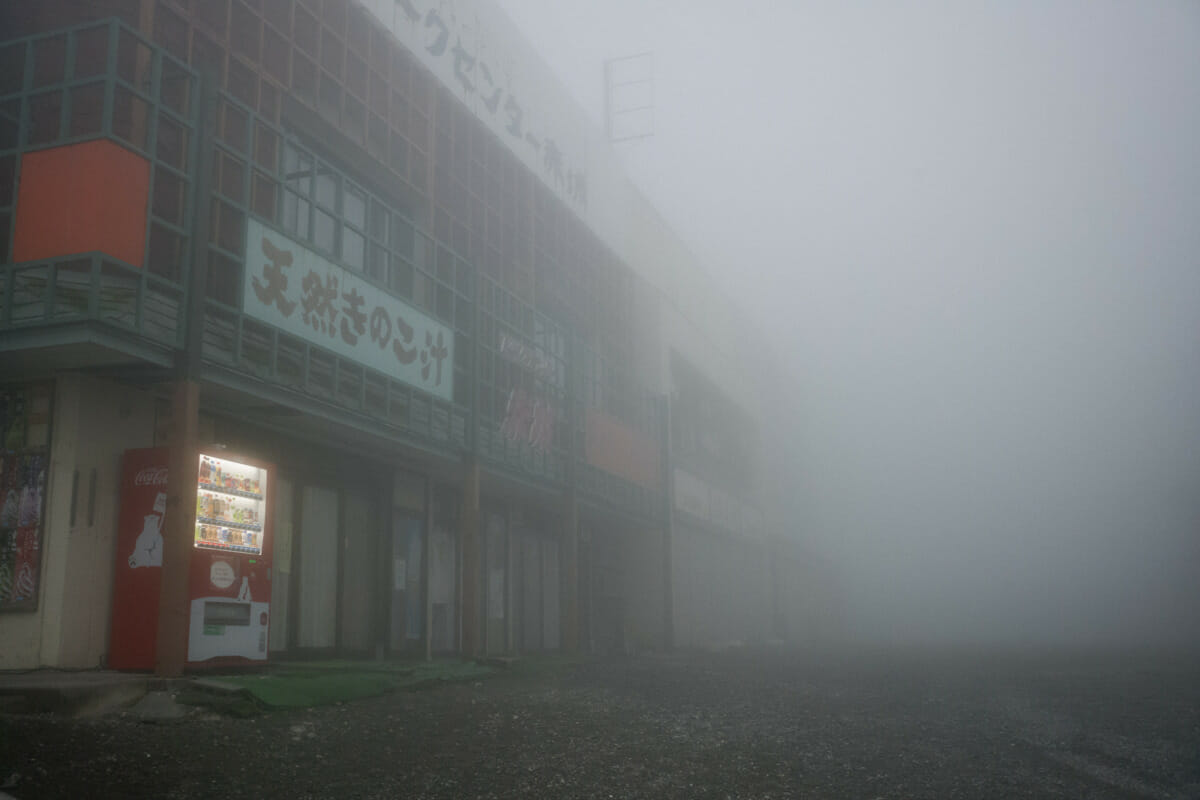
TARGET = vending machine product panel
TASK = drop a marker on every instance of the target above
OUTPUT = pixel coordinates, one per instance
(230, 575)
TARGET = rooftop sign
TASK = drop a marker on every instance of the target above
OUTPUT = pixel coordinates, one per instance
(476, 52)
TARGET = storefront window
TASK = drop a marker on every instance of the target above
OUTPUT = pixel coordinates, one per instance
(550, 608)
(414, 609)
(531, 591)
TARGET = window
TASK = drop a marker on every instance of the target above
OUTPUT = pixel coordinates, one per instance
(297, 176)
(354, 215)
(347, 224)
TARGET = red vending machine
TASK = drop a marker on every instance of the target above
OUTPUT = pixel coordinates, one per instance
(229, 581)
(138, 576)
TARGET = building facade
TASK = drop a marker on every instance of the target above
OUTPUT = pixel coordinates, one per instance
(375, 245)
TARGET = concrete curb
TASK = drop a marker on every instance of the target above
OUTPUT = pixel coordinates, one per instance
(76, 694)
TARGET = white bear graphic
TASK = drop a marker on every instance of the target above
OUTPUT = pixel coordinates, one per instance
(147, 551)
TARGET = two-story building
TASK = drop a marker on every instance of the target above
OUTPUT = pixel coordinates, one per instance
(377, 246)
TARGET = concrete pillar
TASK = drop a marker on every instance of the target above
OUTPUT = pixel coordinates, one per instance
(179, 528)
(569, 595)
(45, 644)
(426, 569)
(468, 532)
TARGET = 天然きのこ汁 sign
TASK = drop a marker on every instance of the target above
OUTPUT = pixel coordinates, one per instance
(291, 287)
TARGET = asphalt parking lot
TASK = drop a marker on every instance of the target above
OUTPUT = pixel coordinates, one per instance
(745, 723)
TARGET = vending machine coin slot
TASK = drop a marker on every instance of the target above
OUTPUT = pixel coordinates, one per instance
(226, 613)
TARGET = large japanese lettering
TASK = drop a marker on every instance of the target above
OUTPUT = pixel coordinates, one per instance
(474, 53)
(272, 287)
(339, 310)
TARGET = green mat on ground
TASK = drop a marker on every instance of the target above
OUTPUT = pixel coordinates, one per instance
(303, 684)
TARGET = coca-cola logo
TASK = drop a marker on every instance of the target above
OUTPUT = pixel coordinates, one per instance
(151, 476)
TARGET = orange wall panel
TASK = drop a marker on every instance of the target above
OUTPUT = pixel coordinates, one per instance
(613, 446)
(79, 198)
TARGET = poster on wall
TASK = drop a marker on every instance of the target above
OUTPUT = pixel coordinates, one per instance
(529, 413)
(24, 460)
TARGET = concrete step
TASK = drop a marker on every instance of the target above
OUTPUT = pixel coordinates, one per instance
(82, 693)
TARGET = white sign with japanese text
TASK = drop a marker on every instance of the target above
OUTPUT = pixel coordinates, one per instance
(291, 287)
(711, 504)
(476, 52)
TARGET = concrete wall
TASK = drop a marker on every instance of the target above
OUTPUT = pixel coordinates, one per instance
(721, 588)
(94, 422)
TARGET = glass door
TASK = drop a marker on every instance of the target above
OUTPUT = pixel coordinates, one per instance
(407, 617)
(443, 588)
(496, 586)
(551, 616)
(531, 592)
(359, 553)
(317, 618)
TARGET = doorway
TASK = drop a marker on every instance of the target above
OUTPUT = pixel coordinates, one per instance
(496, 584)
(316, 624)
(359, 546)
(407, 607)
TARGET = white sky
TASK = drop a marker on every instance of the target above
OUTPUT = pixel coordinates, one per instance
(973, 229)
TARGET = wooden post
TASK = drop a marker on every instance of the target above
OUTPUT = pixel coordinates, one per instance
(426, 569)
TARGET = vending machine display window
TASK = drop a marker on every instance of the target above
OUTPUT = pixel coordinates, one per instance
(230, 505)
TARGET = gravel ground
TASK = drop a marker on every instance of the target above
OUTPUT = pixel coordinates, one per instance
(737, 724)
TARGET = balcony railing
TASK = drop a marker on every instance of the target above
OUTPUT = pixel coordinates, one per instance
(91, 287)
(263, 352)
(101, 81)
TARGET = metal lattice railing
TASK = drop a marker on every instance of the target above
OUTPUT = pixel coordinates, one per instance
(90, 287)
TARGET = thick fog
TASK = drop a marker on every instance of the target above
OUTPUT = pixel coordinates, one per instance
(972, 233)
